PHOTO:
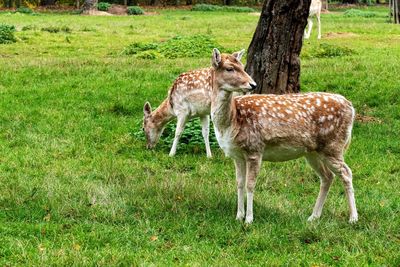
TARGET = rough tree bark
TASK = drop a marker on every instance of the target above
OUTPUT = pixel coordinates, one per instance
(273, 55)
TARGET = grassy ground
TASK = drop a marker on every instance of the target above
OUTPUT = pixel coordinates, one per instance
(78, 187)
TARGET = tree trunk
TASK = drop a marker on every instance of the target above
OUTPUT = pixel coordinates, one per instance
(9, 3)
(273, 55)
(89, 5)
(394, 6)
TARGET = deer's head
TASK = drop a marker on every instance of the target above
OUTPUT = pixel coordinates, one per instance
(151, 127)
(229, 72)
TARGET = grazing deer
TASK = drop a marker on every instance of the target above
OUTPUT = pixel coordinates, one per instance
(188, 97)
(315, 10)
(275, 128)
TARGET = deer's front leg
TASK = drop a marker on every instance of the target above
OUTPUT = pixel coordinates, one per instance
(240, 165)
(253, 164)
(205, 129)
(319, 25)
(307, 32)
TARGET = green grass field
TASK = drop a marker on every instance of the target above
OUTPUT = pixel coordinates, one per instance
(78, 188)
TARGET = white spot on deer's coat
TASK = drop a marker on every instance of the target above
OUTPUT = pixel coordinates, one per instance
(321, 119)
(318, 102)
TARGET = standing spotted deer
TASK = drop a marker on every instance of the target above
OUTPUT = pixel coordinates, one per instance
(276, 128)
(189, 97)
(315, 10)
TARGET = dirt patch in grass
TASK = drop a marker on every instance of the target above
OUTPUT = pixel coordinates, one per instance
(367, 119)
(333, 35)
(255, 14)
(118, 10)
(96, 13)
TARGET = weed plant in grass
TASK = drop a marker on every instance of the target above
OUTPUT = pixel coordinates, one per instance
(7, 34)
(79, 188)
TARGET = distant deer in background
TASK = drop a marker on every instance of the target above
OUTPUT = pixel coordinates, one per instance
(189, 97)
(253, 128)
(315, 10)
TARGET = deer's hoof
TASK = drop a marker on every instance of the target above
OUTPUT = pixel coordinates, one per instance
(239, 216)
(249, 220)
(313, 217)
(353, 219)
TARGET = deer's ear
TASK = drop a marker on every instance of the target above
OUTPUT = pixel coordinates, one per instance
(147, 109)
(216, 58)
(238, 55)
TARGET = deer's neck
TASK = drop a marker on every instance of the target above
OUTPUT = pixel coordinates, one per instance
(163, 114)
(222, 107)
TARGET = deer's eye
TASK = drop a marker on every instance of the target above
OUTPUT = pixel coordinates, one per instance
(229, 69)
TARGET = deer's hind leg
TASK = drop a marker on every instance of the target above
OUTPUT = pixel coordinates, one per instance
(253, 164)
(326, 178)
(337, 165)
(319, 25)
(307, 32)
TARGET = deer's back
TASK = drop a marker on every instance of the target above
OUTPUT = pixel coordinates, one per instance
(298, 123)
(190, 93)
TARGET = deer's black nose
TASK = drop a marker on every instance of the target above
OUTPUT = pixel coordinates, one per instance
(253, 85)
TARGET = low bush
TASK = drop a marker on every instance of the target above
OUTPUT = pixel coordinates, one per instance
(103, 6)
(188, 46)
(25, 10)
(328, 50)
(29, 28)
(135, 48)
(7, 34)
(135, 10)
(325, 50)
(359, 13)
(56, 29)
(176, 47)
(207, 7)
(190, 140)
